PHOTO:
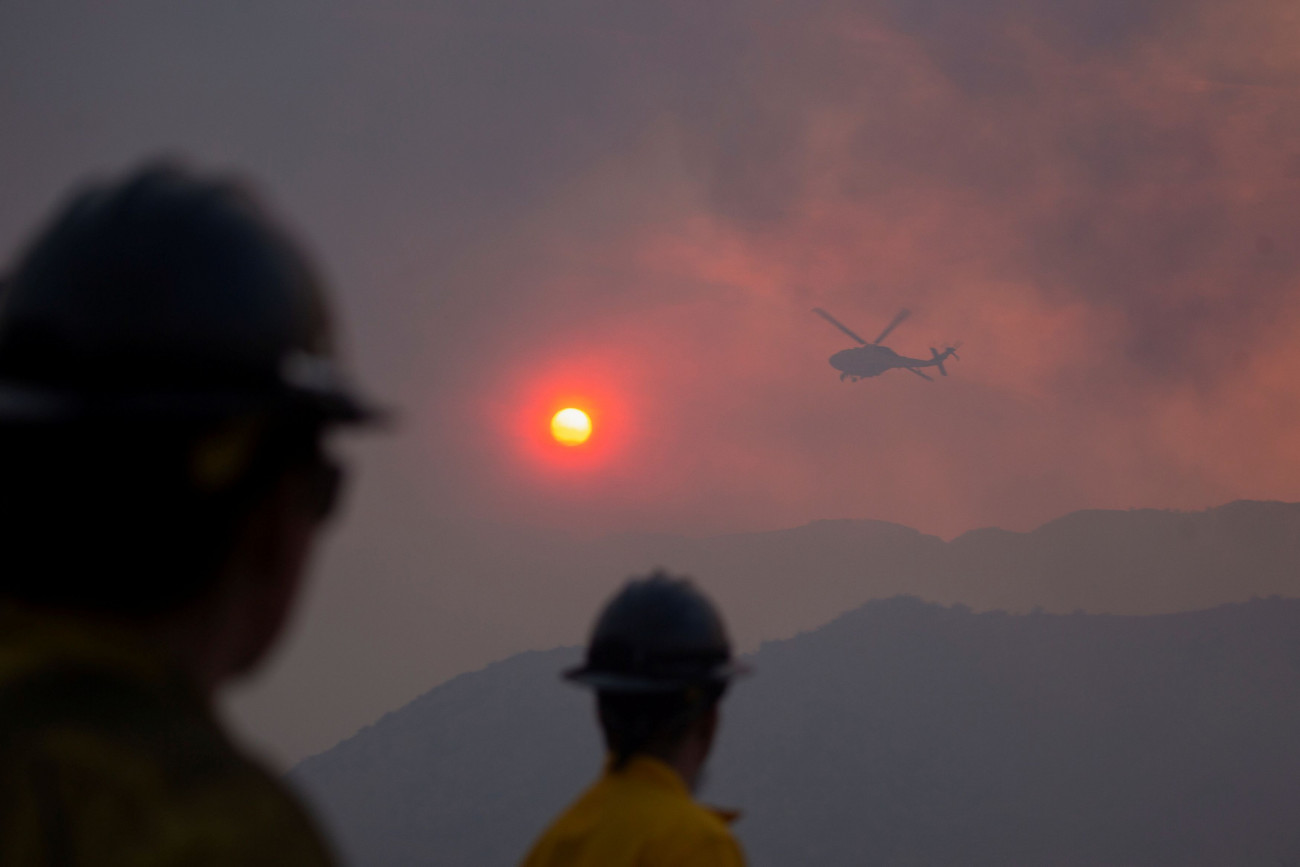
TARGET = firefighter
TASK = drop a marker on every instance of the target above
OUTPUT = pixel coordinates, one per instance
(660, 661)
(167, 378)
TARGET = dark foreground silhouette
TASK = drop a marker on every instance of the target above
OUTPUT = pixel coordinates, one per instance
(902, 733)
(167, 390)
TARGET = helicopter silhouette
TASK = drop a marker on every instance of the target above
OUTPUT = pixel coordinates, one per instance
(872, 359)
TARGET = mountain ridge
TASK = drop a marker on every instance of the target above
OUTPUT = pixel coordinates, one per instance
(772, 585)
(900, 733)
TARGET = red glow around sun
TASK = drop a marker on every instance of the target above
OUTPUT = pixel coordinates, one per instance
(571, 421)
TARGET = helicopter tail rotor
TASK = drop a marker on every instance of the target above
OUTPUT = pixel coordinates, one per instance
(938, 359)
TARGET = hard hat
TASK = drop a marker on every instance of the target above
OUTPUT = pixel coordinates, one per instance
(167, 294)
(658, 634)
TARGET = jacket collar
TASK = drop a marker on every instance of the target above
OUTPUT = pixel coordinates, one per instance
(649, 770)
(657, 773)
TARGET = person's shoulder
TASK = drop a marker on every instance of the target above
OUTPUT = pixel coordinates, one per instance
(99, 764)
(693, 834)
(712, 823)
(656, 832)
(675, 808)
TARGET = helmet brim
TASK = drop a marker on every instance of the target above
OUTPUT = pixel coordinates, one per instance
(26, 403)
(624, 682)
(318, 382)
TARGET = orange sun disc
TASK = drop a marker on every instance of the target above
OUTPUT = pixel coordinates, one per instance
(571, 427)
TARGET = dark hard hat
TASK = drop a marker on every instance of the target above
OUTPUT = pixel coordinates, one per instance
(659, 634)
(166, 294)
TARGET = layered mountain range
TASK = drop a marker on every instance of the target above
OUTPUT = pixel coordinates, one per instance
(907, 732)
(388, 625)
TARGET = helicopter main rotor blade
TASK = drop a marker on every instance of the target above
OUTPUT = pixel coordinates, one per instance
(902, 314)
(919, 373)
(838, 324)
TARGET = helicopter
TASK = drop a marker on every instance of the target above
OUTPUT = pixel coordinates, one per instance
(872, 359)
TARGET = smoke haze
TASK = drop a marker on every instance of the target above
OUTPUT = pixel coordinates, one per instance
(635, 207)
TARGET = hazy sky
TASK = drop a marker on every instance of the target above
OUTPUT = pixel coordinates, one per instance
(635, 206)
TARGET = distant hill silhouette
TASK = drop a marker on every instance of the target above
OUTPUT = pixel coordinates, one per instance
(360, 657)
(1141, 561)
(903, 733)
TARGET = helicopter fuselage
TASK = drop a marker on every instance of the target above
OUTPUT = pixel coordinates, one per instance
(870, 360)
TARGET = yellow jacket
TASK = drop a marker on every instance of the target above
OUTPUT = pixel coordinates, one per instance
(642, 815)
(109, 759)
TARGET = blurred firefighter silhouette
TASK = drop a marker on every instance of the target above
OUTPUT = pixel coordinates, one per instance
(167, 377)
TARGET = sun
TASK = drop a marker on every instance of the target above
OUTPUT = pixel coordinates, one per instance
(571, 427)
